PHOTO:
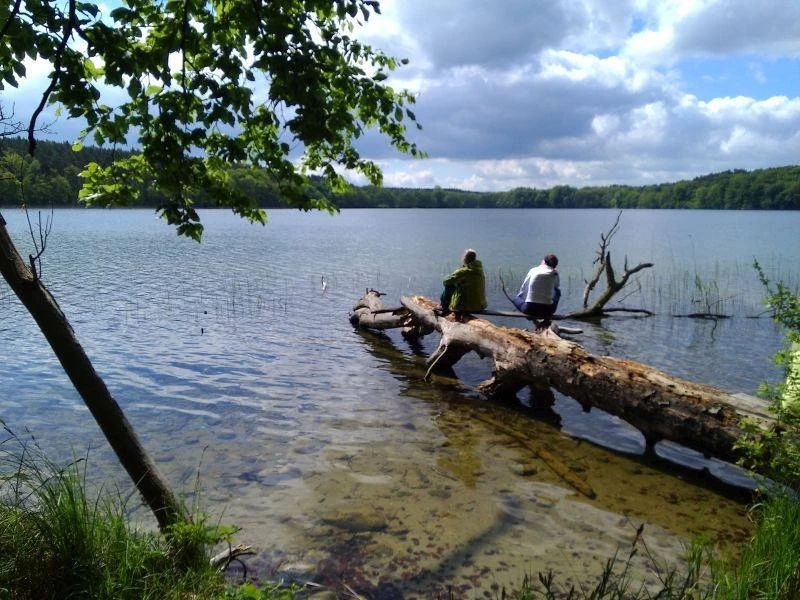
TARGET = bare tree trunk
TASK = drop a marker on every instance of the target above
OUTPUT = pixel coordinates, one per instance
(603, 262)
(661, 406)
(54, 325)
(613, 286)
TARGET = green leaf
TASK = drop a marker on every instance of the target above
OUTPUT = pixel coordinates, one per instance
(134, 87)
(91, 70)
(190, 93)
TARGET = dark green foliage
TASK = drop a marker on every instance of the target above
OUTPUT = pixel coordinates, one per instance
(776, 188)
(769, 566)
(53, 178)
(777, 450)
(196, 88)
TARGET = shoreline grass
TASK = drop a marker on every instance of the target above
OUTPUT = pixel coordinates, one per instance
(56, 542)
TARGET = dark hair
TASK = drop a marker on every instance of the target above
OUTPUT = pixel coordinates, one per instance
(469, 256)
(551, 260)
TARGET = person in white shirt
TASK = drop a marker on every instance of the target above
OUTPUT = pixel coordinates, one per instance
(539, 293)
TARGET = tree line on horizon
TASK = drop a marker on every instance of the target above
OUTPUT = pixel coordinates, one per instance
(53, 178)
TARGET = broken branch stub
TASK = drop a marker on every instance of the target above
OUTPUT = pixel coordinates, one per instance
(613, 285)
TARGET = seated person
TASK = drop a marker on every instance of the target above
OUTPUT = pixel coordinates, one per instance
(465, 288)
(539, 293)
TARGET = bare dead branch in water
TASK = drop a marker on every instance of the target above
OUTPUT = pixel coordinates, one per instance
(613, 285)
(39, 244)
(600, 260)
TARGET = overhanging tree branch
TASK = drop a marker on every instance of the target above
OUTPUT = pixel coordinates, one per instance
(332, 86)
(54, 77)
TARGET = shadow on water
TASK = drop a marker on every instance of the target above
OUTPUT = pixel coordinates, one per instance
(486, 511)
(539, 404)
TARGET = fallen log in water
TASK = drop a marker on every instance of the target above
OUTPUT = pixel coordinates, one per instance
(662, 407)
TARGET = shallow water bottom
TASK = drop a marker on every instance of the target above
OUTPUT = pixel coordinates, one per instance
(452, 505)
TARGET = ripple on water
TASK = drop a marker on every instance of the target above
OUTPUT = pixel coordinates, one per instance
(324, 444)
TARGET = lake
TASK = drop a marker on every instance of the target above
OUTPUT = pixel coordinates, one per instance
(254, 395)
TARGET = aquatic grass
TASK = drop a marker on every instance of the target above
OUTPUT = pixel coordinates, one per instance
(617, 581)
(679, 292)
(769, 567)
(57, 542)
(684, 289)
(667, 289)
(678, 288)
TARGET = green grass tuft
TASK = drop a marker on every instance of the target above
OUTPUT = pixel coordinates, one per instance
(56, 542)
(769, 567)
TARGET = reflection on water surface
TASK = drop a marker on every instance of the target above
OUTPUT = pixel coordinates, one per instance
(326, 446)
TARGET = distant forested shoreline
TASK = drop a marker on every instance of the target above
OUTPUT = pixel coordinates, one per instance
(53, 178)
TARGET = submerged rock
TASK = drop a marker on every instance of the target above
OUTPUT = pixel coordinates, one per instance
(356, 522)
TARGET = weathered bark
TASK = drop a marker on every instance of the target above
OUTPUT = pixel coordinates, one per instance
(33, 294)
(603, 262)
(613, 285)
(662, 407)
(369, 313)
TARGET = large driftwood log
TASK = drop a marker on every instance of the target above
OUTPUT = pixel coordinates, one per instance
(662, 407)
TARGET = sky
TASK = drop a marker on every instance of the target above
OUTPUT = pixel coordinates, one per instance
(537, 93)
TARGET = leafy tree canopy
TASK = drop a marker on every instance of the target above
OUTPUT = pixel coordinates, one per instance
(196, 86)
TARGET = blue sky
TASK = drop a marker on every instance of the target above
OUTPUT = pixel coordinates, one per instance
(590, 92)
(584, 92)
(715, 77)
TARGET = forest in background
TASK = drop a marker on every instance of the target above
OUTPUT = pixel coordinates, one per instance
(53, 178)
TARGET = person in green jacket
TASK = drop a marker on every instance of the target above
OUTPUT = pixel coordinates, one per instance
(465, 288)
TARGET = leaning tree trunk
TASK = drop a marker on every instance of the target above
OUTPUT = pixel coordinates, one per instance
(661, 406)
(153, 487)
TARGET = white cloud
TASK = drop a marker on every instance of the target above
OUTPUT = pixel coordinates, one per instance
(677, 29)
(607, 72)
(778, 113)
(612, 105)
(605, 125)
(411, 179)
(582, 92)
(650, 48)
(647, 127)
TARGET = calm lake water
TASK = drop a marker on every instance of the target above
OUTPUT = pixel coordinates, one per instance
(325, 445)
